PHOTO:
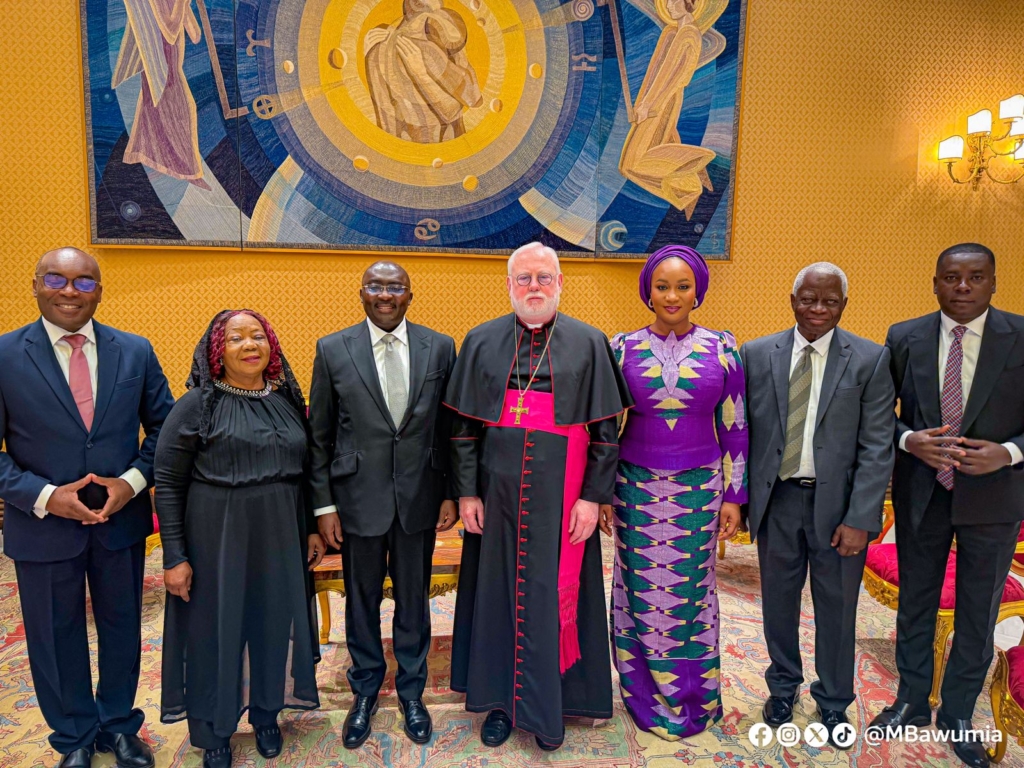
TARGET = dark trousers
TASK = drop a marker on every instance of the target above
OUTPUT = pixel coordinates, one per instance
(983, 555)
(787, 544)
(366, 561)
(53, 608)
(202, 736)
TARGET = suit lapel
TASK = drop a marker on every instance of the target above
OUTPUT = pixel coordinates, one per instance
(40, 351)
(996, 344)
(781, 357)
(924, 368)
(835, 366)
(419, 357)
(360, 348)
(108, 356)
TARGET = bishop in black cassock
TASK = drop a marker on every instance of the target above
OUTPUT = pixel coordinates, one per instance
(524, 649)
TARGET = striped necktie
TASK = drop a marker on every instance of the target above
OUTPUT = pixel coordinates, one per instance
(953, 398)
(799, 400)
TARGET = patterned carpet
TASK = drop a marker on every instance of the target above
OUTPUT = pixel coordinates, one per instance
(313, 740)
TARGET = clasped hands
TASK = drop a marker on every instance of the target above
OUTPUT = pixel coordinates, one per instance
(64, 501)
(583, 518)
(971, 457)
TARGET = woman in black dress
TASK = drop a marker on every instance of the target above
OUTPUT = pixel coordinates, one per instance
(236, 525)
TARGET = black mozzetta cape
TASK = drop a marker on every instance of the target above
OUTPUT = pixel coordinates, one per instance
(587, 383)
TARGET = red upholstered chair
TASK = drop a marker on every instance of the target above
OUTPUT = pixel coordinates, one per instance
(1017, 564)
(1007, 693)
(882, 582)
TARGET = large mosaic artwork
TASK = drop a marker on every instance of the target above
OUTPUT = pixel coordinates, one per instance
(602, 127)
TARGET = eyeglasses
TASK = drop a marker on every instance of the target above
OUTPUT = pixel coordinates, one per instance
(544, 278)
(376, 289)
(58, 282)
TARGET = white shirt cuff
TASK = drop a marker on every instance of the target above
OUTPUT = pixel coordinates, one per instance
(39, 508)
(1016, 457)
(903, 440)
(135, 479)
(325, 510)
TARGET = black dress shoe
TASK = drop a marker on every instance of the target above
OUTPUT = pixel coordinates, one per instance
(496, 728)
(357, 725)
(129, 750)
(217, 758)
(830, 718)
(966, 745)
(550, 747)
(778, 710)
(269, 741)
(898, 715)
(80, 758)
(418, 726)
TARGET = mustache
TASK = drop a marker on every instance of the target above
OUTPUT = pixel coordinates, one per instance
(522, 309)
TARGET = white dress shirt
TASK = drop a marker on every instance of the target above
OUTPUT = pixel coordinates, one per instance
(401, 334)
(62, 350)
(971, 346)
(819, 356)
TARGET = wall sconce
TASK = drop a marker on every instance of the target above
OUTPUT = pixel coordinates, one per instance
(983, 147)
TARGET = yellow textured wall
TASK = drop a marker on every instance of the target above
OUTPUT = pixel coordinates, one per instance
(842, 107)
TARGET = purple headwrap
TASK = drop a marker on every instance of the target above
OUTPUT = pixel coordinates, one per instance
(687, 254)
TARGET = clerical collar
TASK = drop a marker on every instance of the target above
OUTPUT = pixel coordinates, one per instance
(535, 326)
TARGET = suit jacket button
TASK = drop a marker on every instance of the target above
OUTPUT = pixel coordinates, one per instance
(769, 483)
(88, 445)
(398, 438)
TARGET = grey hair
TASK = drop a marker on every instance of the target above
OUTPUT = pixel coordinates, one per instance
(534, 246)
(825, 268)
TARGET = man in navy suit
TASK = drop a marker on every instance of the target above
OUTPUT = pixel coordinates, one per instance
(73, 396)
(959, 376)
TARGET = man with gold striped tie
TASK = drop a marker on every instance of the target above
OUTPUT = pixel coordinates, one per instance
(821, 453)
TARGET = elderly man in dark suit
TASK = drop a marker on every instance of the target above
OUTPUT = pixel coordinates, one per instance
(959, 376)
(380, 485)
(73, 395)
(821, 455)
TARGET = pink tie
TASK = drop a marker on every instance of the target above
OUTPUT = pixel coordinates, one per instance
(952, 397)
(79, 378)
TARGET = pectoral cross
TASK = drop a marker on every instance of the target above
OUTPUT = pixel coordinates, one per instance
(518, 410)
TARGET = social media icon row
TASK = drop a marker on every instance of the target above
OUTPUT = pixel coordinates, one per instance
(789, 735)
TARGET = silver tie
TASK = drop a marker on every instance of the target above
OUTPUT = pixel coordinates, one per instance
(398, 395)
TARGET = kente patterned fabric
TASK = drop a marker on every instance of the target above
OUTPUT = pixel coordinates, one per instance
(682, 454)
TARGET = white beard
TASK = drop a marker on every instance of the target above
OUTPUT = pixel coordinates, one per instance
(536, 316)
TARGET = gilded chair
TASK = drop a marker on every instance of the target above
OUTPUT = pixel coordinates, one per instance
(741, 538)
(882, 582)
(1007, 694)
(153, 540)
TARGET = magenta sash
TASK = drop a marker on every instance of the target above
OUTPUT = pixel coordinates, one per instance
(540, 416)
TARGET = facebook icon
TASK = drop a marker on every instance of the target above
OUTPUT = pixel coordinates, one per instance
(761, 735)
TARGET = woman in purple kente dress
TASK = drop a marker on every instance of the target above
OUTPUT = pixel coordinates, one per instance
(681, 478)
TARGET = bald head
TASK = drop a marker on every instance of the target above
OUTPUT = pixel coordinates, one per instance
(68, 256)
(67, 287)
(385, 271)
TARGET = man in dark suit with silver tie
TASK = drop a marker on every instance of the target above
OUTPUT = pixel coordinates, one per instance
(73, 395)
(959, 376)
(819, 415)
(380, 485)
